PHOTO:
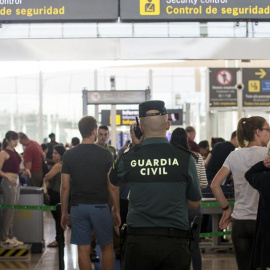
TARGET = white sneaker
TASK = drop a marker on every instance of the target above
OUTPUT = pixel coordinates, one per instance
(9, 243)
(17, 242)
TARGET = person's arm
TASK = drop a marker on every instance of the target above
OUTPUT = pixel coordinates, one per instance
(219, 195)
(194, 195)
(64, 195)
(114, 198)
(193, 205)
(53, 172)
(256, 175)
(28, 165)
(28, 156)
(25, 172)
(202, 173)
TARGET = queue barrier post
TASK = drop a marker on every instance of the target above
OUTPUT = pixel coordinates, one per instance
(61, 238)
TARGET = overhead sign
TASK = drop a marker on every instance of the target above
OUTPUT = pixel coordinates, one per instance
(222, 83)
(224, 77)
(127, 117)
(123, 117)
(118, 97)
(58, 10)
(257, 87)
(196, 10)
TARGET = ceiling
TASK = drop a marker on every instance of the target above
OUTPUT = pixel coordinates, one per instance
(203, 49)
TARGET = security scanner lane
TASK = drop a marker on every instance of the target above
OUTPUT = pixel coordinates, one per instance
(215, 211)
(28, 224)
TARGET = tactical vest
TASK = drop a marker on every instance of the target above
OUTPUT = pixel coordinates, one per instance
(156, 163)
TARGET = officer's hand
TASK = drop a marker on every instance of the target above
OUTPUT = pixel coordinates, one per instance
(135, 140)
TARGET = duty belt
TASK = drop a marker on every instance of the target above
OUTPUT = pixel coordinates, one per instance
(169, 232)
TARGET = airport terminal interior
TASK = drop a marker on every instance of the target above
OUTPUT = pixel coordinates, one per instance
(212, 259)
(209, 74)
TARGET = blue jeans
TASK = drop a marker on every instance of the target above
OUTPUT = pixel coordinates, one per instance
(196, 255)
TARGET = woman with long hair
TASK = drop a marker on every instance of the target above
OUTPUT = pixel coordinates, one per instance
(252, 134)
(53, 177)
(9, 171)
(180, 138)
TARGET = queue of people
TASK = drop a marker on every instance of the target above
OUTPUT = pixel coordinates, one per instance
(160, 190)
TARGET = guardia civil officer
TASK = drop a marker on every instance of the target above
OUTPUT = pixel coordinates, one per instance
(163, 183)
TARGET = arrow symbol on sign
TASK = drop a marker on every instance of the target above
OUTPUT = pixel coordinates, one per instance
(262, 73)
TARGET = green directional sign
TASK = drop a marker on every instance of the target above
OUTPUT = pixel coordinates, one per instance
(256, 92)
(58, 10)
(195, 10)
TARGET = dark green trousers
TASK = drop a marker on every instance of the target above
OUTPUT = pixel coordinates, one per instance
(150, 252)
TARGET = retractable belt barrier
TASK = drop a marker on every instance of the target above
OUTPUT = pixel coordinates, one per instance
(53, 208)
(215, 204)
(61, 239)
(215, 234)
(28, 207)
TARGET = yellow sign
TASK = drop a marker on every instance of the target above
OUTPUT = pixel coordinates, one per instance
(117, 120)
(254, 86)
(261, 73)
(149, 7)
(25, 214)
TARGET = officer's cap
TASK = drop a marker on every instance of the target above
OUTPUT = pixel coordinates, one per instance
(157, 105)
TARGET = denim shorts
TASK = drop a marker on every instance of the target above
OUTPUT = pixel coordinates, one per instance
(85, 217)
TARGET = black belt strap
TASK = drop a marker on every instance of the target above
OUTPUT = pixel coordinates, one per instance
(169, 232)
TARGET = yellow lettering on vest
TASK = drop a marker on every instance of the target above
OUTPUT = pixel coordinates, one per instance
(154, 170)
(148, 162)
(163, 162)
(156, 162)
(141, 162)
(142, 171)
(175, 162)
(133, 163)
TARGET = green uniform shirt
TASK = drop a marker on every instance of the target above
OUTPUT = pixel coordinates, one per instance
(111, 149)
(161, 177)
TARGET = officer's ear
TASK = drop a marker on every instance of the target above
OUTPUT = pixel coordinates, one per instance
(168, 125)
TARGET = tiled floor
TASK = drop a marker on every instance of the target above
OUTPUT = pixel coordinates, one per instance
(48, 260)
